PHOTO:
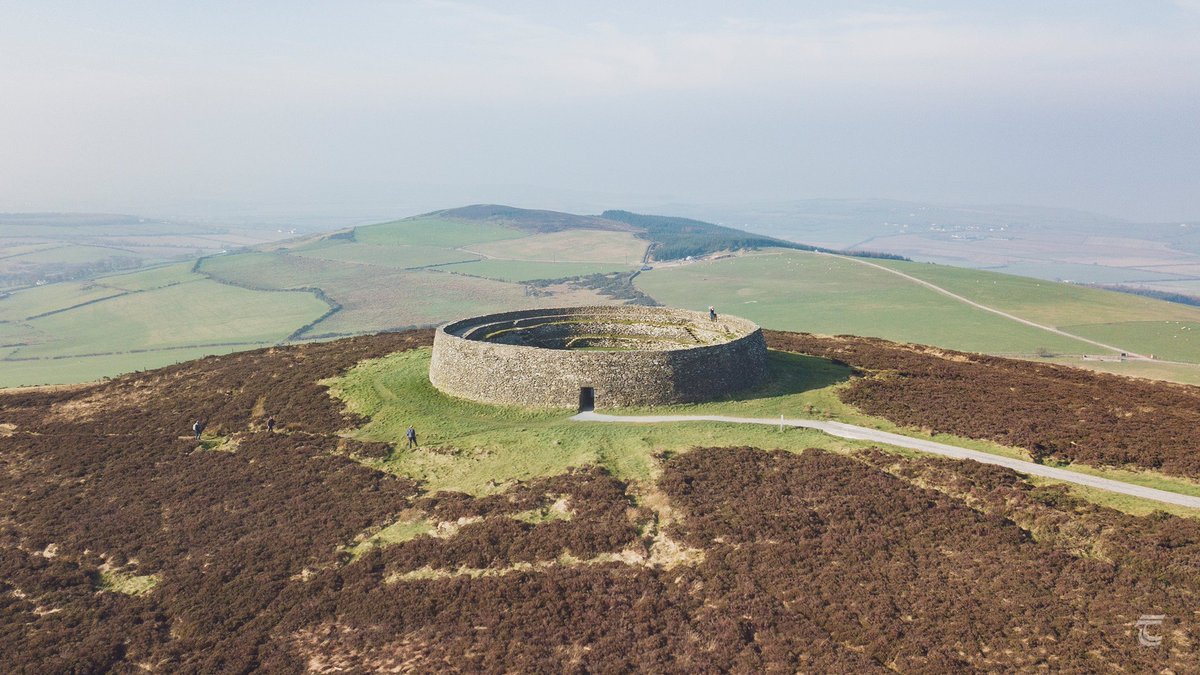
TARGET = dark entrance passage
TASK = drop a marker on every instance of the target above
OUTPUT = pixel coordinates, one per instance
(587, 399)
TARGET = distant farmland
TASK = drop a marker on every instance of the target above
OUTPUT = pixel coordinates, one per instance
(429, 269)
(793, 290)
(407, 273)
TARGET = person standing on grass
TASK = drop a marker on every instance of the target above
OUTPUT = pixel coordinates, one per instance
(271, 425)
(411, 435)
(198, 427)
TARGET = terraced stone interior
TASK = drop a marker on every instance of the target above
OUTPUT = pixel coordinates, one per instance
(603, 329)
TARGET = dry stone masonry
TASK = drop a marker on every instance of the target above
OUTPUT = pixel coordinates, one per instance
(609, 357)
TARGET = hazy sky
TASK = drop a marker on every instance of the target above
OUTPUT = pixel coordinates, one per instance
(393, 107)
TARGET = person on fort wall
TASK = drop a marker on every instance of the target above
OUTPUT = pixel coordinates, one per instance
(712, 313)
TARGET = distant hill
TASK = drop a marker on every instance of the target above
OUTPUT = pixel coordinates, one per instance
(529, 220)
(672, 238)
(676, 238)
(425, 270)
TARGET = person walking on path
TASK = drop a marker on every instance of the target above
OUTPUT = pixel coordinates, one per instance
(411, 435)
(198, 427)
(271, 425)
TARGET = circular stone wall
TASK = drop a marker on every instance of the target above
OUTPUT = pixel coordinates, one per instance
(610, 356)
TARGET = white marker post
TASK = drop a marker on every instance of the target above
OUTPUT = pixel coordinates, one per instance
(781, 423)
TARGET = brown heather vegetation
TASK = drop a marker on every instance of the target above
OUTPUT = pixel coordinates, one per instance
(811, 562)
(1059, 412)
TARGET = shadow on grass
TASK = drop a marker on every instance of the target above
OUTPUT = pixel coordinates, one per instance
(789, 374)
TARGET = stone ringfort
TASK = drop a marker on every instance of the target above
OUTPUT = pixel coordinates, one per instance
(602, 357)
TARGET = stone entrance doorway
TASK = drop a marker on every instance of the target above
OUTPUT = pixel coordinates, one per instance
(587, 399)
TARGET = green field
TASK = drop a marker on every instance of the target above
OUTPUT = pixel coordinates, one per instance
(196, 313)
(1167, 330)
(438, 232)
(150, 279)
(570, 246)
(481, 449)
(1045, 302)
(795, 290)
(73, 332)
(69, 254)
(398, 256)
(52, 297)
(427, 270)
(514, 270)
(373, 298)
(88, 368)
(1167, 340)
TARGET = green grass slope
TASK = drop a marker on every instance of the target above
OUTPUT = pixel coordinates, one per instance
(801, 291)
(429, 269)
(74, 332)
(482, 449)
(1168, 330)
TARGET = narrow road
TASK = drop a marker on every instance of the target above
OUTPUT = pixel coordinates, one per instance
(857, 433)
(993, 310)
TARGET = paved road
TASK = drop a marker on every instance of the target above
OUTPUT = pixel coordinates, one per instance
(858, 433)
(1027, 322)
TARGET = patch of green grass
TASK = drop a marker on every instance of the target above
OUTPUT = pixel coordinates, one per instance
(122, 331)
(373, 298)
(597, 246)
(150, 279)
(1169, 330)
(88, 368)
(197, 313)
(398, 256)
(1145, 478)
(795, 290)
(1169, 340)
(115, 581)
(1046, 302)
(433, 231)
(17, 333)
(1185, 373)
(517, 270)
(219, 443)
(481, 449)
(1134, 506)
(33, 301)
(71, 255)
(398, 532)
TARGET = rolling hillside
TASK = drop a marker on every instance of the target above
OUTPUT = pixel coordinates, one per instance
(428, 269)
(795, 290)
